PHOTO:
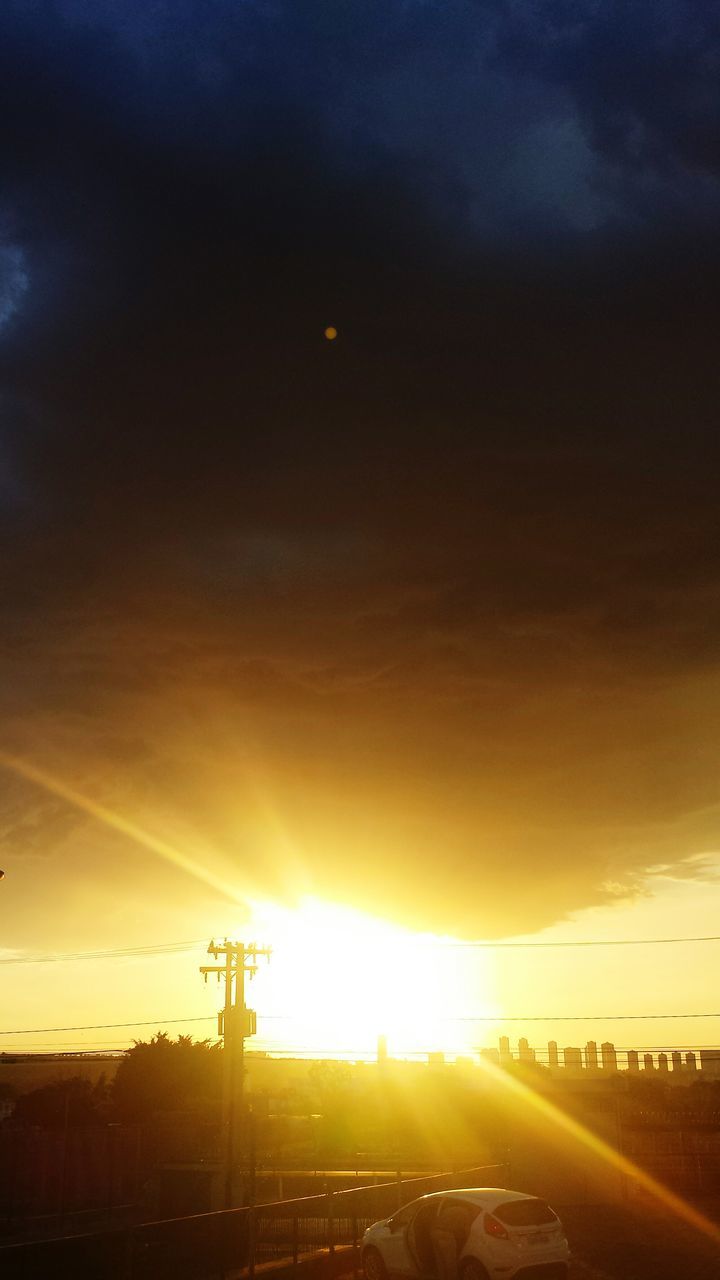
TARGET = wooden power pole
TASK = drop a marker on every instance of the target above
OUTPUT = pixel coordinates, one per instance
(235, 1023)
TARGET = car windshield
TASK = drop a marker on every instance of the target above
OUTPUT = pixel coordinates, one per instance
(525, 1213)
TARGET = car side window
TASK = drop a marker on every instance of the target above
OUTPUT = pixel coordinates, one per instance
(404, 1216)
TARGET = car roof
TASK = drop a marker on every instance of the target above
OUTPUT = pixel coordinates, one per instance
(481, 1195)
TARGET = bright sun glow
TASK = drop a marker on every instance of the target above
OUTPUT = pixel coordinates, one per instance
(338, 979)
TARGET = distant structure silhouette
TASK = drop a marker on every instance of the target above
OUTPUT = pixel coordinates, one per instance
(526, 1053)
(588, 1062)
(609, 1056)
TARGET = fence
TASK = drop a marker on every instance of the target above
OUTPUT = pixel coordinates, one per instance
(46, 1174)
(211, 1246)
(685, 1158)
(688, 1173)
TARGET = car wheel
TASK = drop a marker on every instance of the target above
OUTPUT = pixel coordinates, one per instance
(373, 1265)
(471, 1269)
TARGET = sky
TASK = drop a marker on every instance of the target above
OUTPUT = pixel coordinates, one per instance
(422, 621)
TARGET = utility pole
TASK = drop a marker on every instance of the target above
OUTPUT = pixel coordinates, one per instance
(235, 1023)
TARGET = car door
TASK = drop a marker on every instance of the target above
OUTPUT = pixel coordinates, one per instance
(419, 1237)
(456, 1217)
(396, 1253)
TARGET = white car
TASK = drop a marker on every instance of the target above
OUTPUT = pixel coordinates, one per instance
(483, 1233)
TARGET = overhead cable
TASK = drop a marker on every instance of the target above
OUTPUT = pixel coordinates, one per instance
(170, 948)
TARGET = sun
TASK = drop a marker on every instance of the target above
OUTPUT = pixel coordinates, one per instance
(338, 979)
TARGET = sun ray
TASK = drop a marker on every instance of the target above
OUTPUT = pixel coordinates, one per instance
(116, 822)
(598, 1147)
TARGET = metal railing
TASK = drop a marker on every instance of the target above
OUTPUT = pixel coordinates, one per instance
(212, 1246)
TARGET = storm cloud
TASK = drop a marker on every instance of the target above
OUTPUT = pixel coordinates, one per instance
(405, 616)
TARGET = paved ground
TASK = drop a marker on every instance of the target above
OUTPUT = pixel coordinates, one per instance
(614, 1243)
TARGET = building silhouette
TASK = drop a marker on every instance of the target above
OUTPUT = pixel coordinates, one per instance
(505, 1054)
(710, 1063)
(525, 1052)
(591, 1055)
(609, 1056)
(591, 1063)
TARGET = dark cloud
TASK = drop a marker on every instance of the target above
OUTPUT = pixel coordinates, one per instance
(447, 584)
(644, 80)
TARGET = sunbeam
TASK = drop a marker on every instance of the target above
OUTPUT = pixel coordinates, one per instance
(607, 1154)
(116, 822)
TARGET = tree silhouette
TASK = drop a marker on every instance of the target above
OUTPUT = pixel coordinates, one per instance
(163, 1074)
(77, 1102)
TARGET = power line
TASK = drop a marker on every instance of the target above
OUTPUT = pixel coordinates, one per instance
(493, 1019)
(69, 1046)
(549, 1017)
(266, 1046)
(23, 1052)
(106, 1026)
(117, 1048)
(587, 942)
(498, 1019)
(170, 948)
(108, 953)
(582, 1017)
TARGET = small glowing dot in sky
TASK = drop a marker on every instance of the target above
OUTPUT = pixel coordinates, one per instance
(331, 332)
